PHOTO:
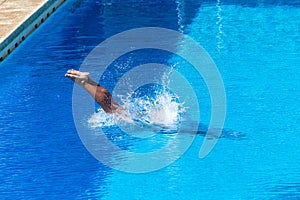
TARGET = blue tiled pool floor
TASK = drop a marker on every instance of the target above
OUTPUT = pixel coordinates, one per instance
(256, 49)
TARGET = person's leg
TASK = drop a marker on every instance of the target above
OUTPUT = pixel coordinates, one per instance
(100, 94)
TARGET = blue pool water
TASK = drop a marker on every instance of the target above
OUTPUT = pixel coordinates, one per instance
(256, 46)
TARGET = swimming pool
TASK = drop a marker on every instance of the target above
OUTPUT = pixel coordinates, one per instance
(255, 45)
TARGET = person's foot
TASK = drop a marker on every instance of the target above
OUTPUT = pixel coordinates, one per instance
(77, 76)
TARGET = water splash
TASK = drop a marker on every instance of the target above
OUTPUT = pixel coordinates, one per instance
(148, 106)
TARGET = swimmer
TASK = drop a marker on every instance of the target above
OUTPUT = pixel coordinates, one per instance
(99, 93)
(105, 100)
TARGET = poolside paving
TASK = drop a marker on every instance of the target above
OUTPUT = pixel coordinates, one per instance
(19, 18)
(13, 13)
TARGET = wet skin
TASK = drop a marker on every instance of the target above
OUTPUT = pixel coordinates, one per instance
(101, 95)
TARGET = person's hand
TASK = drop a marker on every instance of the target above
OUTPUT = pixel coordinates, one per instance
(78, 77)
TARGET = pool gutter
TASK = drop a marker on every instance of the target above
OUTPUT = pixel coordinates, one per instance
(29, 23)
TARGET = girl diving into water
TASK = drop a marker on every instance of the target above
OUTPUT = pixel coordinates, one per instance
(157, 114)
(103, 97)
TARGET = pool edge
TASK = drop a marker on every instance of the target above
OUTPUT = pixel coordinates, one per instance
(14, 39)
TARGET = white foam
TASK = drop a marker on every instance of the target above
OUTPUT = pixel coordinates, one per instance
(161, 109)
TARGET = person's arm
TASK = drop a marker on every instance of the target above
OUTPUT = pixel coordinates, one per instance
(99, 93)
